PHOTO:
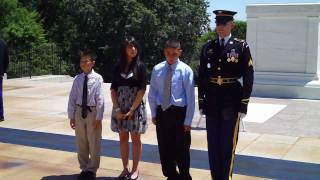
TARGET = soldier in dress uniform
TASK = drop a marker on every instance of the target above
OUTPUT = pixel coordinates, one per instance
(222, 98)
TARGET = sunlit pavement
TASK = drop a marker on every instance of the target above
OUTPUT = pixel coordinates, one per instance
(281, 141)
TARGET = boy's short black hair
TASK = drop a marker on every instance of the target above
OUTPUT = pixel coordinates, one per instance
(173, 43)
(90, 53)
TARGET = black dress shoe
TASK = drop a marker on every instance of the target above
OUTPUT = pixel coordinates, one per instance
(82, 175)
(91, 175)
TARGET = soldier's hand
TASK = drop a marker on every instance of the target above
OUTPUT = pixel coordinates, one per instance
(201, 105)
(187, 128)
(154, 121)
(201, 111)
(73, 123)
(96, 124)
(241, 115)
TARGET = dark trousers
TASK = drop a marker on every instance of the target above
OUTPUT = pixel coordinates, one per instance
(1, 98)
(222, 135)
(173, 143)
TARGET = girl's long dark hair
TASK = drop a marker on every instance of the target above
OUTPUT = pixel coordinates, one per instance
(123, 56)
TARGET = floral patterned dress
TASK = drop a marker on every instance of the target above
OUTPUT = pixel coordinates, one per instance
(127, 87)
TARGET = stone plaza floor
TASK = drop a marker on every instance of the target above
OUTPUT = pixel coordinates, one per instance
(281, 138)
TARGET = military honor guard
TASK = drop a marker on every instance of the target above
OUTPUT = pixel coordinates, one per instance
(4, 61)
(222, 98)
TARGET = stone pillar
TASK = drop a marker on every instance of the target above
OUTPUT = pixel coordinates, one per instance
(285, 45)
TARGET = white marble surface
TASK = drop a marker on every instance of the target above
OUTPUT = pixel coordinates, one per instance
(285, 45)
(261, 112)
(285, 38)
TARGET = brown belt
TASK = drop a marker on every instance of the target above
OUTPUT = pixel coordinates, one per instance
(87, 106)
(220, 81)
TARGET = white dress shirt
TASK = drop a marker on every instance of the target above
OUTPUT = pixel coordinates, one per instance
(95, 94)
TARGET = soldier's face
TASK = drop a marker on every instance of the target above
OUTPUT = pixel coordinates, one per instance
(86, 64)
(172, 54)
(224, 30)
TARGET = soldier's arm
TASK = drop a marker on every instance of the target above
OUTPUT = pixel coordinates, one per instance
(248, 76)
(201, 79)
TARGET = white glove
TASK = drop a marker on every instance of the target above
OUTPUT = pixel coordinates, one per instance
(201, 111)
(241, 115)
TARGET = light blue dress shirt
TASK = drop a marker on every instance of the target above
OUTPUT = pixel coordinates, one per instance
(182, 88)
(95, 94)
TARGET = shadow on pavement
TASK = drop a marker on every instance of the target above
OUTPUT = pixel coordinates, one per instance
(72, 177)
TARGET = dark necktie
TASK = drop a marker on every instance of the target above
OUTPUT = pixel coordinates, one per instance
(222, 43)
(84, 106)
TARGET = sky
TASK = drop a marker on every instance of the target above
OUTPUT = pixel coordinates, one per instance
(240, 6)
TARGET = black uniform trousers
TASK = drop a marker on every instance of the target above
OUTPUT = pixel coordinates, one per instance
(222, 125)
(173, 142)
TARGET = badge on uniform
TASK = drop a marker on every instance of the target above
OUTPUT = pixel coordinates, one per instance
(210, 52)
(233, 56)
(208, 65)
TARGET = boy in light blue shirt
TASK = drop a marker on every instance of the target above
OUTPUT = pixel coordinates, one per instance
(172, 102)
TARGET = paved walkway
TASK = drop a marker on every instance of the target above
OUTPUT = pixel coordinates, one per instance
(281, 141)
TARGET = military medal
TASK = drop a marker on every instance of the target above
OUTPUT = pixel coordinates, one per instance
(210, 52)
(208, 65)
(233, 55)
(237, 56)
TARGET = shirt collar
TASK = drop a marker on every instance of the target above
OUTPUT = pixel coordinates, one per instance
(90, 73)
(174, 65)
(226, 39)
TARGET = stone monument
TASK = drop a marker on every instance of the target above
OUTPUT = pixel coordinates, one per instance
(285, 46)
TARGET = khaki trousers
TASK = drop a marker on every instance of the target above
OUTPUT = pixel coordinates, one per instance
(88, 140)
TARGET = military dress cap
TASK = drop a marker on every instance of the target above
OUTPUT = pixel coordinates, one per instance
(224, 16)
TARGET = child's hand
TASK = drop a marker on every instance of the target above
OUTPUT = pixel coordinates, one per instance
(96, 124)
(129, 115)
(154, 121)
(187, 128)
(73, 123)
(120, 116)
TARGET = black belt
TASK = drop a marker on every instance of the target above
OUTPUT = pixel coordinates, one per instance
(87, 107)
(172, 107)
(220, 81)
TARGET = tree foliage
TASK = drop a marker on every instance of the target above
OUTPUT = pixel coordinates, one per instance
(102, 24)
(19, 26)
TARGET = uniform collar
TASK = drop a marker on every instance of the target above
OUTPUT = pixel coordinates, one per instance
(226, 39)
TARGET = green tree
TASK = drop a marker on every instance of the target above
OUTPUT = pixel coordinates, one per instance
(240, 30)
(31, 52)
(102, 24)
(18, 26)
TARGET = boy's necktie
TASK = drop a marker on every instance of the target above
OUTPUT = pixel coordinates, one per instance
(166, 95)
(84, 108)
